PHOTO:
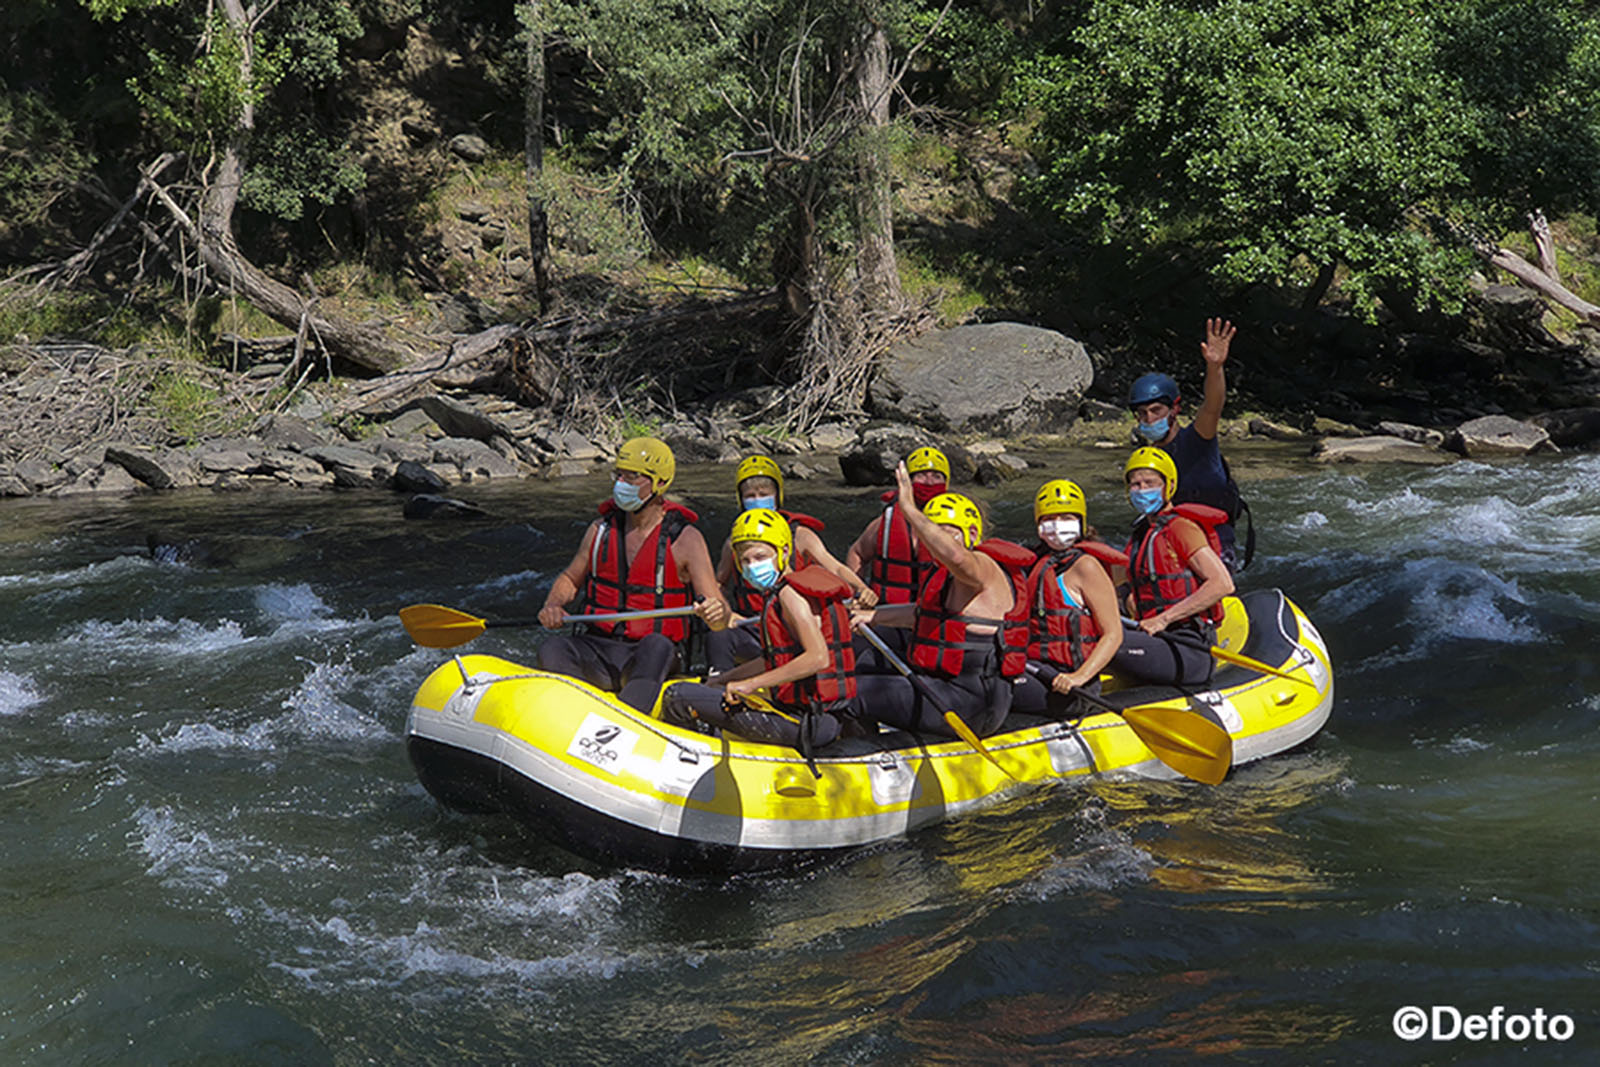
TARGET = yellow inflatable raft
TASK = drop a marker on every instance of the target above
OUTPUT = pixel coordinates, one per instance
(588, 772)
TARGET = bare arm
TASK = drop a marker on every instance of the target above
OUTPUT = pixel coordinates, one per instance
(806, 542)
(865, 548)
(1215, 584)
(965, 565)
(1214, 350)
(568, 582)
(694, 568)
(725, 568)
(1100, 596)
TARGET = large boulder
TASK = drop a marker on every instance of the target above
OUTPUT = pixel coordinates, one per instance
(1377, 449)
(1498, 435)
(1001, 378)
(1570, 427)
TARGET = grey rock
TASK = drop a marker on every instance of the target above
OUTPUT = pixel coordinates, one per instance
(107, 479)
(1003, 378)
(472, 211)
(1100, 411)
(994, 470)
(474, 459)
(1406, 431)
(354, 468)
(567, 468)
(1326, 427)
(433, 506)
(1275, 431)
(457, 419)
(871, 461)
(470, 147)
(1377, 449)
(412, 422)
(402, 451)
(163, 469)
(221, 461)
(411, 476)
(833, 437)
(1498, 435)
(293, 433)
(39, 475)
(1570, 427)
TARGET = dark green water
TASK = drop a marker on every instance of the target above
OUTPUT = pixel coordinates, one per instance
(215, 850)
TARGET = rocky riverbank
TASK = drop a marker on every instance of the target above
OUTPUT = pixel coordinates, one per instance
(983, 392)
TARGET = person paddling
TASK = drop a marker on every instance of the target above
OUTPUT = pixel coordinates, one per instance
(1204, 474)
(968, 626)
(759, 483)
(887, 553)
(806, 661)
(642, 553)
(1074, 629)
(1176, 578)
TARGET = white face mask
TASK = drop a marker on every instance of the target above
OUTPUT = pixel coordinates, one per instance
(1060, 531)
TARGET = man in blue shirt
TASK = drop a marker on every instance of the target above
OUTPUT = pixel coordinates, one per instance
(1203, 476)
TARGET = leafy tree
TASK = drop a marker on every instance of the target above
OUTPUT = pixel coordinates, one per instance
(1292, 137)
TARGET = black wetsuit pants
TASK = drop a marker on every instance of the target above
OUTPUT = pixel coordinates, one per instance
(981, 697)
(1171, 657)
(688, 702)
(1033, 695)
(726, 649)
(634, 670)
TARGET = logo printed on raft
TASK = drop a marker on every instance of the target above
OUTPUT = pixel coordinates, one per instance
(602, 743)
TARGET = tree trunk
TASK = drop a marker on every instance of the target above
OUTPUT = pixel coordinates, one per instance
(1539, 281)
(212, 232)
(533, 154)
(1545, 243)
(875, 258)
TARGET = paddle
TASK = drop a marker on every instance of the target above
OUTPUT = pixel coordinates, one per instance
(1225, 656)
(1185, 740)
(436, 626)
(955, 722)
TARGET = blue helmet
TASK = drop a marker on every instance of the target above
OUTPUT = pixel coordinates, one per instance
(1152, 386)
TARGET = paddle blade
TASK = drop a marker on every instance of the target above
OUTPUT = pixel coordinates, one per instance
(1256, 665)
(964, 732)
(1184, 740)
(436, 626)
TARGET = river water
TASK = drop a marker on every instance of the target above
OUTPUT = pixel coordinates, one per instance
(215, 850)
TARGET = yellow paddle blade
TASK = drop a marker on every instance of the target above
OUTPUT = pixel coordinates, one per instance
(1256, 665)
(964, 732)
(1184, 740)
(436, 626)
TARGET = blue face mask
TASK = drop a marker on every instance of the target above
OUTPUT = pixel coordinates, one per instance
(763, 573)
(761, 502)
(1145, 501)
(626, 495)
(1153, 431)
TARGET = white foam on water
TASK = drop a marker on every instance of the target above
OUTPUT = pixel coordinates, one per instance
(317, 708)
(286, 603)
(17, 693)
(180, 855)
(1463, 743)
(79, 578)
(1311, 520)
(521, 579)
(158, 635)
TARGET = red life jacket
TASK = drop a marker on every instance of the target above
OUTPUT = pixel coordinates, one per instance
(825, 593)
(898, 571)
(1156, 572)
(1060, 633)
(745, 598)
(939, 641)
(651, 580)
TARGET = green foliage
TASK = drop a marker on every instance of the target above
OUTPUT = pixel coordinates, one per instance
(1295, 133)
(191, 409)
(39, 161)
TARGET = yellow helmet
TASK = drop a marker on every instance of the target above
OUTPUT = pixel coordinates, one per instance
(766, 526)
(953, 509)
(1059, 497)
(928, 458)
(760, 467)
(1155, 459)
(648, 455)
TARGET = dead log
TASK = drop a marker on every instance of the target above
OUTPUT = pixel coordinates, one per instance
(1539, 281)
